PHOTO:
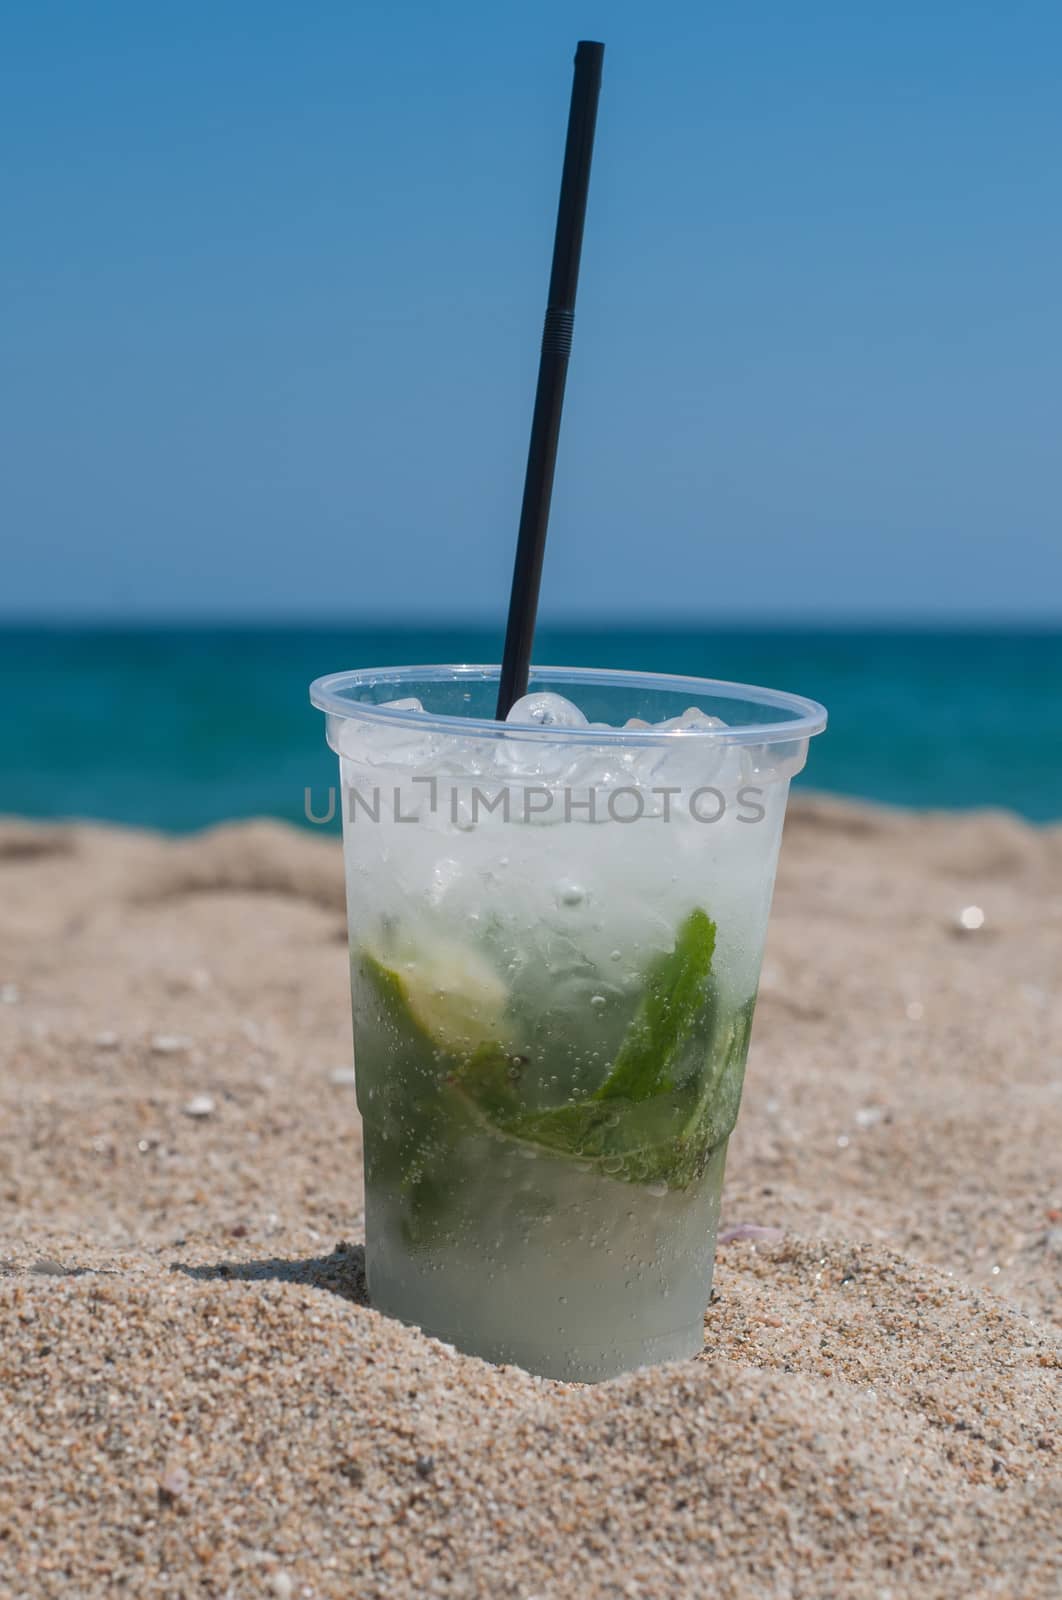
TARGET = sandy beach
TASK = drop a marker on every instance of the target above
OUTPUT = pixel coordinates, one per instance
(197, 1400)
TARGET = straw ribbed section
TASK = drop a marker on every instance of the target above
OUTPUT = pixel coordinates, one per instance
(557, 333)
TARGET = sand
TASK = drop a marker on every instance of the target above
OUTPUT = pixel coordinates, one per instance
(196, 1399)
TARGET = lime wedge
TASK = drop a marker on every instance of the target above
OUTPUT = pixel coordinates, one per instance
(448, 990)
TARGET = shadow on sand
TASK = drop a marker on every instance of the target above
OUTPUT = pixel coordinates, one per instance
(342, 1273)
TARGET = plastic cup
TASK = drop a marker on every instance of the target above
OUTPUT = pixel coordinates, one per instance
(556, 932)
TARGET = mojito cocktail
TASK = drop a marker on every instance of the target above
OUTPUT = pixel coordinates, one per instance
(556, 927)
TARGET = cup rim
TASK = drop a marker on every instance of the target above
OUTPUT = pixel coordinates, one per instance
(331, 694)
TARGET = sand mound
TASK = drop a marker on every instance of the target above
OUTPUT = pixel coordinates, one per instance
(195, 1398)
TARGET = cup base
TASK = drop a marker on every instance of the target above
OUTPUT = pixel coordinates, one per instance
(548, 1267)
(584, 1363)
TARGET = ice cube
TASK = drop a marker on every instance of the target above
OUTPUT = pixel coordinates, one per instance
(530, 758)
(410, 704)
(445, 874)
(385, 743)
(596, 768)
(393, 744)
(688, 763)
(766, 763)
(548, 710)
(693, 719)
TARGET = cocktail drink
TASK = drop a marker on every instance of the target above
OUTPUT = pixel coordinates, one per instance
(556, 927)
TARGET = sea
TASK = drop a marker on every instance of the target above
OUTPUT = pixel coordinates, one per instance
(178, 727)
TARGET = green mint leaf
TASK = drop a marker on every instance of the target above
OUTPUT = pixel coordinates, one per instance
(669, 1136)
(669, 1100)
(676, 991)
(672, 1094)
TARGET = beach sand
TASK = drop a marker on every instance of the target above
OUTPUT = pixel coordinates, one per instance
(196, 1400)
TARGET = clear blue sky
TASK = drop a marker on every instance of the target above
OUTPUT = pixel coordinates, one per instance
(273, 276)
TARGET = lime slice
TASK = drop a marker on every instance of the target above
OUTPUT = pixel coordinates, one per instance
(451, 993)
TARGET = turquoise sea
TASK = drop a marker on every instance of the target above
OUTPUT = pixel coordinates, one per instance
(178, 727)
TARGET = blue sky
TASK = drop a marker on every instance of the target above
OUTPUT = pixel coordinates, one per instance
(273, 280)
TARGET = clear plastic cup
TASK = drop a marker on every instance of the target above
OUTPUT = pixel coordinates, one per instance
(556, 932)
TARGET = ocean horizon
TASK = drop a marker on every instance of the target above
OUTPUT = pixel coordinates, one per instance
(178, 725)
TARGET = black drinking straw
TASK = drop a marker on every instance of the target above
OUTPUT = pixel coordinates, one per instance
(552, 372)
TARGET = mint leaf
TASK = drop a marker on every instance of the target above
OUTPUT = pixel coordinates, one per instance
(676, 989)
(669, 1100)
(672, 1094)
(667, 1137)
